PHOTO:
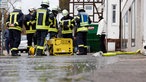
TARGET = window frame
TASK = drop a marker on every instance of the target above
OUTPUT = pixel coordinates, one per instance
(114, 9)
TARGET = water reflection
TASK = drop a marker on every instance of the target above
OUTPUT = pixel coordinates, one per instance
(49, 69)
(63, 71)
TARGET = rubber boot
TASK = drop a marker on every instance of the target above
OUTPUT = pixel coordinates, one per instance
(81, 51)
(85, 51)
(15, 53)
(12, 52)
(43, 53)
(38, 52)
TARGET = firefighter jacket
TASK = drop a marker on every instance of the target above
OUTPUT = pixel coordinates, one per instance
(67, 24)
(29, 25)
(41, 16)
(15, 20)
(82, 21)
(53, 23)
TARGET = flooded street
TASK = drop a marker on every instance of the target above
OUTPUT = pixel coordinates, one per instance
(51, 68)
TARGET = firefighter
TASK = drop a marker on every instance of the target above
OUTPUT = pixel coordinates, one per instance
(82, 21)
(42, 25)
(67, 24)
(30, 29)
(53, 30)
(15, 22)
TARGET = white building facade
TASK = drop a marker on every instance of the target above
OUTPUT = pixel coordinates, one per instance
(111, 14)
(133, 24)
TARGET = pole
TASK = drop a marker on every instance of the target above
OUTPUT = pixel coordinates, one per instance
(2, 30)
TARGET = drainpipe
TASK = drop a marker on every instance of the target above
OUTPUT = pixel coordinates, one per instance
(107, 14)
(106, 23)
(120, 28)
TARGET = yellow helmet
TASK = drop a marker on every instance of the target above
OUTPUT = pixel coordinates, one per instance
(31, 50)
(64, 12)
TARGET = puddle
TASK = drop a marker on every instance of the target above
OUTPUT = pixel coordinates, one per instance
(51, 68)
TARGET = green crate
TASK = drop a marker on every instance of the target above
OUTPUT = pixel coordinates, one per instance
(92, 36)
(92, 29)
(94, 45)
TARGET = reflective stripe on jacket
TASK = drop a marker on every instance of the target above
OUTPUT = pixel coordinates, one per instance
(15, 18)
(53, 25)
(42, 21)
(29, 25)
(82, 29)
(84, 19)
(66, 24)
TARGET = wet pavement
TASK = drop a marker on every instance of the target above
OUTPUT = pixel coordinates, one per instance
(50, 68)
(83, 68)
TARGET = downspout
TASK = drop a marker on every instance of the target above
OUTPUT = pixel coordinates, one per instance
(107, 15)
(120, 28)
(107, 24)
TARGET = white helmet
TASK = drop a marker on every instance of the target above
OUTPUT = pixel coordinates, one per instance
(80, 8)
(45, 2)
(64, 12)
(31, 9)
(55, 9)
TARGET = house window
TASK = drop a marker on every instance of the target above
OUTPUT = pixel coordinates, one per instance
(113, 13)
(88, 7)
(133, 26)
(126, 17)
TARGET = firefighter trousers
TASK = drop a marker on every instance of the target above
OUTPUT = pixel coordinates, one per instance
(15, 38)
(31, 38)
(41, 35)
(82, 43)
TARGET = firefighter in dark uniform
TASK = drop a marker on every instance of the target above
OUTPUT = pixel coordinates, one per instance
(82, 21)
(67, 24)
(15, 22)
(42, 25)
(30, 29)
(53, 30)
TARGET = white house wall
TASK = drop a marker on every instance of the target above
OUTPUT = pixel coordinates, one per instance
(144, 23)
(113, 28)
(126, 4)
(123, 4)
(139, 23)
